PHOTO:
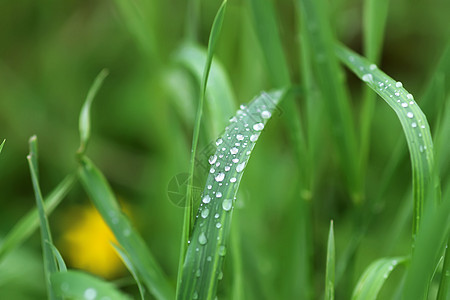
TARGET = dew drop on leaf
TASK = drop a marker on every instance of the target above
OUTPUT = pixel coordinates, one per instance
(227, 204)
(202, 239)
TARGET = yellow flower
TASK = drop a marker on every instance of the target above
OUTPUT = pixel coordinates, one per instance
(86, 243)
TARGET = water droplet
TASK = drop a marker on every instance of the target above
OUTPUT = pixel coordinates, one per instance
(126, 232)
(212, 170)
(222, 250)
(242, 106)
(209, 258)
(209, 187)
(398, 84)
(254, 137)
(218, 142)
(422, 126)
(227, 204)
(218, 225)
(212, 159)
(202, 239)
(90, 294)
(233, 120)
(266, 114)
(218, 194)
(220, 276)
(233, 179)
(234, 150)
(410, 115)
(421, 148)
(239, 137)
(373, 67)
(65, 286)
(220, 177)
(195, 296)
(235, 160)
(367, 78)
(216, 216)
(206, 199)
(240, 167)
(413, 124)
(397, 94)
(198, 273)
(205, 213)
(258, 126)
(404, 104)
(410, 97)
(227, 168)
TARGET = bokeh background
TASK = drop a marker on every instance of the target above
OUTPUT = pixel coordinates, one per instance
(50, 53)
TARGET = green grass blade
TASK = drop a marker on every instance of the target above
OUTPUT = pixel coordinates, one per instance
(81, 286)
(329, 274)
(50, 266)
(412, 119)
(85, 120)
(104, 200)
(188, 215)
(1, 145)
(61, 264)
(444, 285)
(30, 222)
(208, 245)
(374, 276)
(130, 268)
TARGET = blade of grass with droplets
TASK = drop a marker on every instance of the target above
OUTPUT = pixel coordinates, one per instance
(208, 245)
(373, 278)
(30, 222)
(314, 18)
(104, 200)
(125, 259)
(188, 212)
(84, 121)
(50, 266)
(412, 119)
(80, 285)
(329, 274)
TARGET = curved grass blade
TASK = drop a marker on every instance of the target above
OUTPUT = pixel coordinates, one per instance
(329, 275)
(444, 285)
(319, 34)
(50, 266)
(81, 286)
(188, 212)
(30, 222)
(208, 245)
(374, 276)
(130, 268)
(61, 264)
(85, 120)
(104, 200)
(413, 120)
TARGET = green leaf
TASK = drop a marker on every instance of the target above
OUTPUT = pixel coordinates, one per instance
(85, 118)
(46, 237)
(23, 229)
(374, 276)
(78, 285)
(140, 256)
(330, 271)
(126, 260)
(208, 244)
(414, 123)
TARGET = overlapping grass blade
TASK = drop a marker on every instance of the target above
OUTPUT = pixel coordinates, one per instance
(208, 244)
(329, 274)
(188, 212)
(412, 119)
(84, 121)
(104, 200)
(444, 285)
(373, 278)
(80, 286)
(319, 36)
(61, 264)
(130, 268)
(30, 222)
(50, 266)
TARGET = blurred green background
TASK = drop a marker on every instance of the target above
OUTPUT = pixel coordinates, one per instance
(50, 53)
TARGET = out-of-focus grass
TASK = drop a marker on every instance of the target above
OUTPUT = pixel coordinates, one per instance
(141, 133)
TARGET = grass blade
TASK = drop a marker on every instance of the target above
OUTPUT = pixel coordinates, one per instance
(81, 286)
(104, 200)
(30, 222)
(374, 276)
(208, 245)
(1, 145)
(329, 274)
(85, 120)
(329, 81)
(188, 212)
(130, 268)
(412, 119)
(444, 285)
(50, 266)
(61, 264)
